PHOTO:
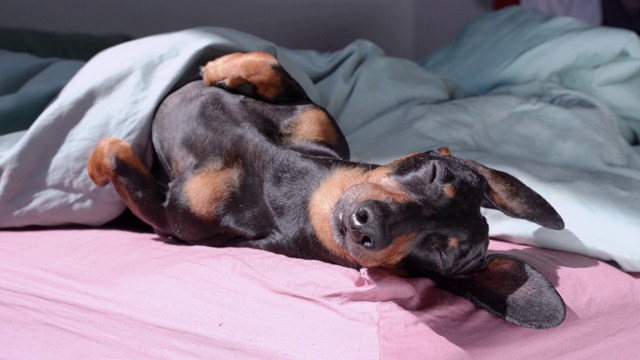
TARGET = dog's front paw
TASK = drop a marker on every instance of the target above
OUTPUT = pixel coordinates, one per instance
(103, 160)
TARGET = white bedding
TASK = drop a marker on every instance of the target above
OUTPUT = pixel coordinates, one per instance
(561, 120)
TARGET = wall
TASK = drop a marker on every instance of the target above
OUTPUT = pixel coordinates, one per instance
(406, 28)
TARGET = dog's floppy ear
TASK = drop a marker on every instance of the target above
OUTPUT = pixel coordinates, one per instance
(512, 197)
(511, 289)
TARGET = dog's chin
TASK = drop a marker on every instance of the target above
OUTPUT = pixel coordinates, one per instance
(356, 252)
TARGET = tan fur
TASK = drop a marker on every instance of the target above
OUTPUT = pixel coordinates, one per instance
(358, 185)
(322, 203)
(207, 190)
(390, 256)
(315, 125)
(256, 68)
(449, 191)
(101, 162)
(444, 151)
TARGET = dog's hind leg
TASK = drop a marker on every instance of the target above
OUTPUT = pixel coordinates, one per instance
(115, 161)
(255, 74)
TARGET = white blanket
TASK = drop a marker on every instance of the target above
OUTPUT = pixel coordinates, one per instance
(569, 144)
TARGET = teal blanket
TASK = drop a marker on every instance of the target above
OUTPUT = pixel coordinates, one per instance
(27, 85)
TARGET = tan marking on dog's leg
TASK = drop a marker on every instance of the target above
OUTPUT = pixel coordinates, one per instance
(256, 68)
(115, 161)
(208, 189)
(315, 125)
(453, 243)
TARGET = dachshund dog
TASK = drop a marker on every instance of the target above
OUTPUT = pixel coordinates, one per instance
(246, 159)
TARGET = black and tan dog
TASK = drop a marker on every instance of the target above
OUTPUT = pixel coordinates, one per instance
(247, 159)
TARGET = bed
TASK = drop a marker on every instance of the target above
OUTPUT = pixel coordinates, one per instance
(552, 101)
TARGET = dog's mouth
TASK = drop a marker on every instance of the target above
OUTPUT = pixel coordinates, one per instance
(342, 227)
(339, 226)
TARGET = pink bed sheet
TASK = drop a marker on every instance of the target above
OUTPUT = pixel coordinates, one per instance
(71, 294)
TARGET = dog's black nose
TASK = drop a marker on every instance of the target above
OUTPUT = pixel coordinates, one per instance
(367, 225)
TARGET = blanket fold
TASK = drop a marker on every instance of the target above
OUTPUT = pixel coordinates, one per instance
(516, 50)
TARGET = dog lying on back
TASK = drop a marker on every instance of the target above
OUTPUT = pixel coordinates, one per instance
(246, 159)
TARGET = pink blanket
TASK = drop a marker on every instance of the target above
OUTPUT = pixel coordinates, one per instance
(68, 294)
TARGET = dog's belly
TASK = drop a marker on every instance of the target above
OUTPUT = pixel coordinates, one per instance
(198, 124)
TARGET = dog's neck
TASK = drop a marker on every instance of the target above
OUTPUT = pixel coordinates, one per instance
(310, 189)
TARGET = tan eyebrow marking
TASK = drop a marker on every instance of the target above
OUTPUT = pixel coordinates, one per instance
(449, 191)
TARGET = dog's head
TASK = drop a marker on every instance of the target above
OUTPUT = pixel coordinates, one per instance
(419, 216)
